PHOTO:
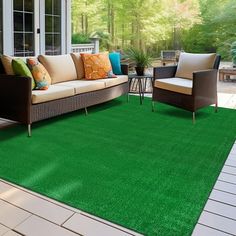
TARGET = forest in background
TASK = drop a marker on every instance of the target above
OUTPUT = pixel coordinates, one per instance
(155, 25)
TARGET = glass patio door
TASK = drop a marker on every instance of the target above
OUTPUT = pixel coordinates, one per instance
(33, 27)
(24, 28)
(27, 27)
(53, 10)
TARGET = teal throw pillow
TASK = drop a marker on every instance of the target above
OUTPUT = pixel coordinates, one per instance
(20, 68)
(115, 63)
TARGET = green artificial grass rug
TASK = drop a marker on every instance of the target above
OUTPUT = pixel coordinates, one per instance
(150, 172)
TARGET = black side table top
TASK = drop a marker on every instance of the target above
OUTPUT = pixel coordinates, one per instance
(133, 75)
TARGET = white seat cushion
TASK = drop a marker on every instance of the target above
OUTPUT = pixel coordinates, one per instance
(178, 85)
(52, 93)
(83, 86)
(190, 62)
(109, 82)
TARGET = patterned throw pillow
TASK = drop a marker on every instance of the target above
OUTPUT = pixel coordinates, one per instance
(97, 66)
(40, 74)
(20, 68)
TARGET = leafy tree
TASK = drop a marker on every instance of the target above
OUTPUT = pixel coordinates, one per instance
(155, 25)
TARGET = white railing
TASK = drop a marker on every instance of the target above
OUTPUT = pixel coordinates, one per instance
(92, 47)
(78, 48)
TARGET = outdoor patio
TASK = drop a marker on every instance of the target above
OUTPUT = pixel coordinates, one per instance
(103, 161)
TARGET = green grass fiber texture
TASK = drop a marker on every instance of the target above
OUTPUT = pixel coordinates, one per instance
(148, 171)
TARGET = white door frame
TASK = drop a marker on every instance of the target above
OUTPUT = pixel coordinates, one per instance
(37, 39)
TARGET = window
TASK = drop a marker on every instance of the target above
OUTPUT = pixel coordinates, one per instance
(24, 28)
(1, 38)
(53, 27)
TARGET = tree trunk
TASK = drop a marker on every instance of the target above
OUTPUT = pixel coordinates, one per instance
(112, 24)
(86, 25)
(123, 35)
(82, 23)
(132, 42)
(86, 19)
(108, 16)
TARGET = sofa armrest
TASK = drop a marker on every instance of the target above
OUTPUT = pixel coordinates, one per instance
(15, 97)
(125, 69)
(205, 83)
(164, 72)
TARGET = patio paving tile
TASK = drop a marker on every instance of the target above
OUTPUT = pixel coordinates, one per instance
(217, 222)
(40, 196)
(33, 204)
(86, 226)
(223, 197)
(12, 233)
(36, 226)
(111, 224)
(3, 229)
(226, 187)
(229, 170)
(233, 151)
(227, 178)
(231, 162)
(232, 157)
(11, 216)
(202, 230)
(221, 209)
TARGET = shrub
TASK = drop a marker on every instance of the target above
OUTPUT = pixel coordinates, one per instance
(80, 38)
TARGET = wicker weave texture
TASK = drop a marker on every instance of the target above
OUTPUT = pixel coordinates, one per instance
(61, 106)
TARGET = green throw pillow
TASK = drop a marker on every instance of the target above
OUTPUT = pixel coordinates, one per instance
(20, 68)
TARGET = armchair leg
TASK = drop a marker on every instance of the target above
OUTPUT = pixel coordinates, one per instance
(194, 118)
(128, 97)
(153, 106)
(86, 111)
(216, 107)
(29, 130)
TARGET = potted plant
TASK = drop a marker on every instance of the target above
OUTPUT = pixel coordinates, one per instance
(140, 58)
(233, 53)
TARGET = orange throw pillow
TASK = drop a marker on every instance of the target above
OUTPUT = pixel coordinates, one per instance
(97, 66)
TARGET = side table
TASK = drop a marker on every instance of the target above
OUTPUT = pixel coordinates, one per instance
(142, 84)
(226, 72)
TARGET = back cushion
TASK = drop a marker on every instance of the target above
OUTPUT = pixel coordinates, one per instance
(61, 68)
(79, 65)
(6, 62)
(189, 63)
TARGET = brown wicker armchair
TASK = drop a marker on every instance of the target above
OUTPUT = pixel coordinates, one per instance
(197, 87)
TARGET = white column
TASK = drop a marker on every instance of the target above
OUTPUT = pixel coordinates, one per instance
(37, 26)
(42, 26)
(68, 26)
(63, 26)
(8, 36)
(95, 41)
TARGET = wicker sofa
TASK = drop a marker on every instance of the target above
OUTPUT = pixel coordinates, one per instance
(66, 94)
